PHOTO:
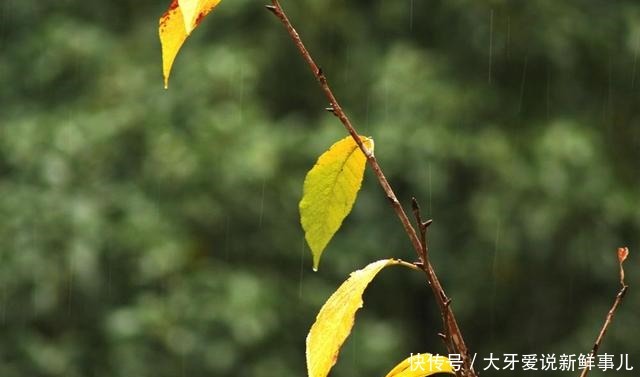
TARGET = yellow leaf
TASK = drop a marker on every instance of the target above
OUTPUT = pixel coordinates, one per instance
(330, 189)
(194, 10)
(175, 26)
(335, 320)
(421, 365)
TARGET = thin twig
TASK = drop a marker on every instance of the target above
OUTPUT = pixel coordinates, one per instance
(335, 107)
(623, 252)
(422, 225)
(451, 326)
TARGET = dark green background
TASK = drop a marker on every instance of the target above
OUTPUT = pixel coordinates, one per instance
(146, 232)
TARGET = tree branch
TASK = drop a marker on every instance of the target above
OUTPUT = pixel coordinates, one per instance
(453, 336)
(623, 252)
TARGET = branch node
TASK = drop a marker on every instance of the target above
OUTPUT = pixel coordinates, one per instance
(271, 9)
(392, 199)
(422, 226)
(332, 110)
(623, 291)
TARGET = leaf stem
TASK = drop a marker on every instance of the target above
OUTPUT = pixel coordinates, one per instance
(408, 265)
(453, 336)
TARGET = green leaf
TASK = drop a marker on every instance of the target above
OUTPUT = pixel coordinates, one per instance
(330, 189)
(336, 318)
(422, 365)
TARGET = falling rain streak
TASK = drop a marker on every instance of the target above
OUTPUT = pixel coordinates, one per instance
(635, 62)
(508, 42)
(522, 83)
(430, 192)
(494, 285)
(366, 111)
(490, 44)
(610, 90)
(264, 181)
(411, 15)
(226, 238)
(386, 100)
(548, 93)
(70, 288)
(109, 276)
(3, 305)
(301, 277)
(241, 112)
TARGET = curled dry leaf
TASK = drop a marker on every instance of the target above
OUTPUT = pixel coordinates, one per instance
(623, 253)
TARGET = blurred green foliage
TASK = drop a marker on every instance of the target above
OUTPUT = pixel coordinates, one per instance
(155, 233)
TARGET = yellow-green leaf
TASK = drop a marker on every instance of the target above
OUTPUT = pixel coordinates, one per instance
(421, 365)
(175, 26)
(335, 320)
(330, 189)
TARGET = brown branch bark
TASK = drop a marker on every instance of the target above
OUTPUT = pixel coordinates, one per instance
(453, 336)
(623, 252)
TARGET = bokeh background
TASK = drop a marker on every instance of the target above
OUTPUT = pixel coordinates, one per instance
(146, 232)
